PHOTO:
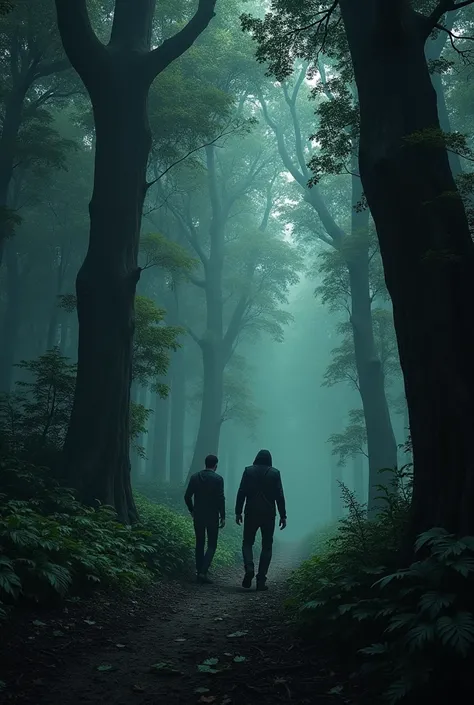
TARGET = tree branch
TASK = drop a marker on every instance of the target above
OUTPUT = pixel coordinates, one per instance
(443, 7)
(83, 49)
(158, 59)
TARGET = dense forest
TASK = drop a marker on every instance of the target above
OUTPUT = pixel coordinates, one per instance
(228, 225)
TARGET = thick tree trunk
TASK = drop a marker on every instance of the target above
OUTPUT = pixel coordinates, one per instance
(211, 408)
(427, 252)
(8, 146)
(178, 417)
(160, 440)
(96, 451)
(11, 320)
(358, 478)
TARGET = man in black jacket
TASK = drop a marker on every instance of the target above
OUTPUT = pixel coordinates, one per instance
(260, 490)
(208, 512)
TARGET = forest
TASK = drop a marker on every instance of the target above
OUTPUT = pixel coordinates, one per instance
(228, 225)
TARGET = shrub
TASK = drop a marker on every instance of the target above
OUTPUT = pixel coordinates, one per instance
(405, 632)
(51, 545)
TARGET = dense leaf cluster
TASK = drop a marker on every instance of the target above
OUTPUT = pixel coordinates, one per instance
(405, 632)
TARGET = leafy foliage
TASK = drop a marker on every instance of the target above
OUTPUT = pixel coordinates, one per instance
(353, 440)
(52, 546)
(411, 628)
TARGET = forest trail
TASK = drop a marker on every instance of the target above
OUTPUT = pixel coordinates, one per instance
(154, 649)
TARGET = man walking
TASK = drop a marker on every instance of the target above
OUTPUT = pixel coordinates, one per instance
(260, 490)
(208, 512)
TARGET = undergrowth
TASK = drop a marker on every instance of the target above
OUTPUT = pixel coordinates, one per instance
(406, 633)
(52, 546)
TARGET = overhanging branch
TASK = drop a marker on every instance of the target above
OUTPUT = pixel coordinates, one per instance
(161, 57)
(443, 7)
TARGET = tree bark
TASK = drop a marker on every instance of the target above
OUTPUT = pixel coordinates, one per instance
(117, 77)
(178, 417)
(160, 440)
(427, 252)
(358, 478)
(11, 320)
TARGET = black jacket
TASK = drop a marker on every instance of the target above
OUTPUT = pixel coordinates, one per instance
(207, 488)
(260, 490)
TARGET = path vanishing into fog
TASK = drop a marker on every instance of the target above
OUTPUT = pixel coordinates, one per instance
(178, 643)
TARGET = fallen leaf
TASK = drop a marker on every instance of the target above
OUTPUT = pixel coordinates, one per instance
(89, 621)
(337, 690)
(165, 669)
(198, 691)
(203, 668)
(235, 635)
(218, 619)
(105, 667)
(58, 632)
(120, 646)
(39, 623)
(211, 661)
(227, 654)
(239, 659)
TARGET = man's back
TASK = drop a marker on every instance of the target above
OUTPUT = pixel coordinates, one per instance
(262, 491)
(207, 487)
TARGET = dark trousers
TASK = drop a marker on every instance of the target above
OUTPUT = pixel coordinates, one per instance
(267, 527)
(205, 525)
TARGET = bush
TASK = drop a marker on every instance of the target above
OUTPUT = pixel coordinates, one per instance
(51, 545)
(406, 633)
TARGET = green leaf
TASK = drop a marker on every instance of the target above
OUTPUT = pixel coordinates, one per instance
(105, 667)
(203, 668)
(374, 649)
(401, 620)
(201, 691)
(457, 631)
(419, 635)
(163, 668)
(434, 601)
(211, 662)
(239, 659)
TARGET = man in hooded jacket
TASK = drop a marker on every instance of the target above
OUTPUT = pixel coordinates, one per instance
(261, 491)
(208, 511)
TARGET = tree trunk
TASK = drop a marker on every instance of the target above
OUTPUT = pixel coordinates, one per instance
(178, 417)
(160, 440)
(8, 146)
(381, 444)
(211, 408)
(11, 317)
(427, 252)
(96, 451)
(358, 478)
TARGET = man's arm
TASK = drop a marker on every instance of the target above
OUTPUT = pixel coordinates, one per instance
(280, 498)
(221, 499)
(188, 496)
(241, 495)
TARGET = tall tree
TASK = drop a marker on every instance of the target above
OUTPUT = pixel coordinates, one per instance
(424, 236)
(117, 77)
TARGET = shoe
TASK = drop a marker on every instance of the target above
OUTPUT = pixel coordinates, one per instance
(204, 579)
(261, 585)
(247, 581)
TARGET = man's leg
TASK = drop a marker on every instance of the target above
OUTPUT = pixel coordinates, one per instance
(268, 529)
(250, 530)
(200, 532)
(212, 529)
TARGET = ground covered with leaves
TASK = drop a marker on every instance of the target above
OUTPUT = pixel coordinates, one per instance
(173, 642)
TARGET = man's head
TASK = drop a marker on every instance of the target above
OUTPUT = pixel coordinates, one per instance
(264, 457)
(211, 462)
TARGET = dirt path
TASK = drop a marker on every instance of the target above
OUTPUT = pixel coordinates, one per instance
(183, 643)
